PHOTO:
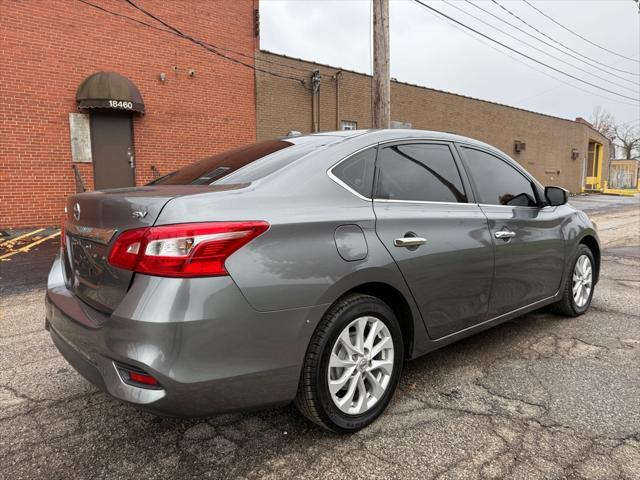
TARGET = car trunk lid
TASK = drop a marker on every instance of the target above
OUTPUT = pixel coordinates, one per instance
(92, 222)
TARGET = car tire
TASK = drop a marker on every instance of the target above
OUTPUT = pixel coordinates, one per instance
(568, 305)
(315, 398)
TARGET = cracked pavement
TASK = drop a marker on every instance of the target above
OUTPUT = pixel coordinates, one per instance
(539, 397)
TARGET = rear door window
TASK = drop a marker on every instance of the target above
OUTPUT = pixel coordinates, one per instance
(497, 182)
(419, 172)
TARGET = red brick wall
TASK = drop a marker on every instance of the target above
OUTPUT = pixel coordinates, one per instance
(47, 48)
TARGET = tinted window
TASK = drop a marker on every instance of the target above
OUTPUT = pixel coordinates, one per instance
(357, 171)
(422, 172)
(249, 162)
(497, 182)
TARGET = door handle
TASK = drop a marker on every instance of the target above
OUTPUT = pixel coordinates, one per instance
(505, 234)
(409, 241)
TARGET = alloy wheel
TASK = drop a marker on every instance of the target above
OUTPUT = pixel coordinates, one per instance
(582, 281)
(360, 365)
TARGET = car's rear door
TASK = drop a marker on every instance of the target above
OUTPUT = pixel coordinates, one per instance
(437, 236)
(528, 240)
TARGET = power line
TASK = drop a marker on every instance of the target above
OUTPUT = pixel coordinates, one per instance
(539, 31)
(212, 48)
(578, 35)
(543, 51)
(583, 59)
(542, 72)
(524, 54)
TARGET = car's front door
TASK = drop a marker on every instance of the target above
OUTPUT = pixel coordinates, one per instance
(438, 238)
(528, 240)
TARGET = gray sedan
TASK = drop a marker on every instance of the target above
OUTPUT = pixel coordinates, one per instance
(308, 269)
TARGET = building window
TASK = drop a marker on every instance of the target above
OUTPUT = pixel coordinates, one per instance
(348, 125)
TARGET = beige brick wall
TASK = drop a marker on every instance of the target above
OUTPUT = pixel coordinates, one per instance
(285, 104)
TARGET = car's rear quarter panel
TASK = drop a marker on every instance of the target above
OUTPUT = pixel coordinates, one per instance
(296, 264)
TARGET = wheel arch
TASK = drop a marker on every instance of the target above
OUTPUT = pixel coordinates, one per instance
(592, 244)
(398, 304)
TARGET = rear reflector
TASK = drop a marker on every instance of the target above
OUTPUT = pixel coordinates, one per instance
(142, 378)
(183, 250)
(137, 377)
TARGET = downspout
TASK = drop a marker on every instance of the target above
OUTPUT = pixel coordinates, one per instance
(584, 172)
(315, 100)
(337, 78)
(314, 126)
(256, 53)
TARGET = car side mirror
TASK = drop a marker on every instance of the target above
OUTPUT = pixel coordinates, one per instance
(556, 196)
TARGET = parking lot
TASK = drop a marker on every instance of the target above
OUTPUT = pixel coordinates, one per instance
(539, 397)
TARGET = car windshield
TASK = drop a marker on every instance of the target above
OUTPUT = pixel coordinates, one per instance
(244, 164)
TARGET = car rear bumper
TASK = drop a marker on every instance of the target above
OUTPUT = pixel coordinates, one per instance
(208, 349)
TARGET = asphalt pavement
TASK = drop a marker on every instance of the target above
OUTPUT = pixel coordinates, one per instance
(593, 203)
(539, 397)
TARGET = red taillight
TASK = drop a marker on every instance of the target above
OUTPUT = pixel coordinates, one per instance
(185, 250)
(126, 251)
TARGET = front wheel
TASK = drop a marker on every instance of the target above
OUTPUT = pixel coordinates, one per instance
(352, 365)
(578, 289)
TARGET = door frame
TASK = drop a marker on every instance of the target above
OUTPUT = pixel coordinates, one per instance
(593, 178)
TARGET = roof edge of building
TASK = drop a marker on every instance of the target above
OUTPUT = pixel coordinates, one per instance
(282, 55)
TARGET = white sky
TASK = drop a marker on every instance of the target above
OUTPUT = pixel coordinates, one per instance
(428, 51)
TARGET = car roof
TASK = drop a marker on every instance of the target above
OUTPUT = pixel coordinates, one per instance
(391, 134)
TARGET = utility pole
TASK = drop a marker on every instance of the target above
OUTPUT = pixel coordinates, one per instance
(381, 89)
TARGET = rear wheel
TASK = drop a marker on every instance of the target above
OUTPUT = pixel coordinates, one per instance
(578, 289)
(352, 365)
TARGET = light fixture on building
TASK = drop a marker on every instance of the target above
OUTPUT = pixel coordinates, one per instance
(163, 76)
(574, 154)
(191, 72)
(519, 146)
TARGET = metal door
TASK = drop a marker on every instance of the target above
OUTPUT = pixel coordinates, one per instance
(112, 150)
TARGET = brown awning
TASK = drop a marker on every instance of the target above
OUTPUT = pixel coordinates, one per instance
(109, 90)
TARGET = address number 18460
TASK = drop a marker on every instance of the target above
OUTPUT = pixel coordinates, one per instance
(120, 104)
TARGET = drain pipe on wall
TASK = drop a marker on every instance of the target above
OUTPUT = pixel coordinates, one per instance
(337, 77)
(315, 100)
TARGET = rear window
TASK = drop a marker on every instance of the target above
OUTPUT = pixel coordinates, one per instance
(243, 164)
